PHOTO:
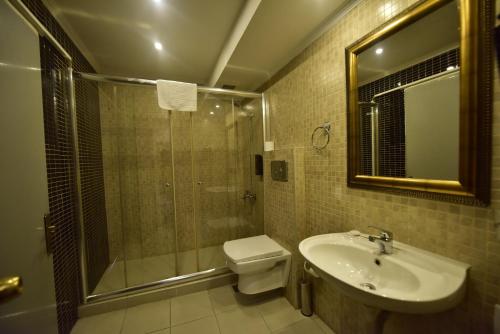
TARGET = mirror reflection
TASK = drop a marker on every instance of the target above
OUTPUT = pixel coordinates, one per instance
(408, 95)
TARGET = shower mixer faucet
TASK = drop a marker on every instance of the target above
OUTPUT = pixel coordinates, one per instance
(249, 196)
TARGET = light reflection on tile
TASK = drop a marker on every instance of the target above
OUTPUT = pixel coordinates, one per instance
(151, 269)
(220, 310)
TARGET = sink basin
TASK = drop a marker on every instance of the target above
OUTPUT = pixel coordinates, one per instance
(409, 280)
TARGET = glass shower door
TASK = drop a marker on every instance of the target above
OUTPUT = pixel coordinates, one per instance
(177, 184)
(214, 161)
(250, 204)
(226, 196)
(137, 163)
(184, 192)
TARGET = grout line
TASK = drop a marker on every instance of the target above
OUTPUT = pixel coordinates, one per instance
(123, 320)
(262, 316)
(170, 320)
(157, 330)
(193, 320)
(213, 311)
(324, 323)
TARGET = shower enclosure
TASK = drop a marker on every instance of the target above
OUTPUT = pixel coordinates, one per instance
(177, 185)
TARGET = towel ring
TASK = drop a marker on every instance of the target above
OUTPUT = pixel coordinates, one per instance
(325, 129)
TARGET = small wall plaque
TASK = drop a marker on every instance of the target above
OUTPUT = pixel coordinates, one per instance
(279, 170)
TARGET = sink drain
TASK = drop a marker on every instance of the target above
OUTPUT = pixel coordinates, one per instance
(368, 285)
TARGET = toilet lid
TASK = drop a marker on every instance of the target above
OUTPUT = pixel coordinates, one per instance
(253, 248)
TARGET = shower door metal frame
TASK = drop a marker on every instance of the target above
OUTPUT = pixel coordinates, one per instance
(148, 82)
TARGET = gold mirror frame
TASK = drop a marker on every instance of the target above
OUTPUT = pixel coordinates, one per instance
(473, 185)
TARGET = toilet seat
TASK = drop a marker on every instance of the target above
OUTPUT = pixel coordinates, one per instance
(260, 262)
(253, 248)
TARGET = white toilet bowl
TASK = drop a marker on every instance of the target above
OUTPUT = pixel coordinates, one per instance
(260, 262)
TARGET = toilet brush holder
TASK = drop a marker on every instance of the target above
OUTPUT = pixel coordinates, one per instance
(306, 298)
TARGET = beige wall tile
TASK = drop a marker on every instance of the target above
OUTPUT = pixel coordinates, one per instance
(308, 92)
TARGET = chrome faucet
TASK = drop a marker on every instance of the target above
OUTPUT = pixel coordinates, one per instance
(383, 240)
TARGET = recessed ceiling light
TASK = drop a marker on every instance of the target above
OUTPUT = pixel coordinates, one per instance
(158, 46)
(379, 51)
(217, 106)
(157, 1)
(211, 113)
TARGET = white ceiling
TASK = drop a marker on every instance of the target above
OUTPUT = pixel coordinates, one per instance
(117, 36)
(279, 30)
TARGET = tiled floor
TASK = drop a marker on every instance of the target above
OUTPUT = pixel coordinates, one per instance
(120, 275)
(216, 311)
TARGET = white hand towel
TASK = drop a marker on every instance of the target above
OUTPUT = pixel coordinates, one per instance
(175, 95)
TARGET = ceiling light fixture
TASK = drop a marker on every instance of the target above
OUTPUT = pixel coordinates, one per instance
(157, 1)
(379, 51)
(158, 46)
(211, 113)
(217, 106)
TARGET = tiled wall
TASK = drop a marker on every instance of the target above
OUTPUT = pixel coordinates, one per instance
(59, 156)
(137, 169)
(211, 164)
(59, 150)
(308, 92)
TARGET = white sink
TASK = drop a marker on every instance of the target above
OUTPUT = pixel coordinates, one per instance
(409, 280)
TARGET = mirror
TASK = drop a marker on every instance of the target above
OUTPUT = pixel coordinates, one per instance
(419, 102)
(408, 91)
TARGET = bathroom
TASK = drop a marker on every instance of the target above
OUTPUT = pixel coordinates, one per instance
(250, 166)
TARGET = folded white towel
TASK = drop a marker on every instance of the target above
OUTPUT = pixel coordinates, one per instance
(175, 95)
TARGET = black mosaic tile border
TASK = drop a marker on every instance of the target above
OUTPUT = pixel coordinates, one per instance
(61, 182)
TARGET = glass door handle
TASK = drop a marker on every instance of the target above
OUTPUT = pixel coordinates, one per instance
(10, 287)
(50, 232)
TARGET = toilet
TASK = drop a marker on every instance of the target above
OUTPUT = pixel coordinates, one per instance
(260, 262)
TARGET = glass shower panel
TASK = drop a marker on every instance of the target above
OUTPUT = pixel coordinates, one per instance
(113, 277)
(250, 185)
(184, 192)
(177, 184)
(138, 185)
(214, 152)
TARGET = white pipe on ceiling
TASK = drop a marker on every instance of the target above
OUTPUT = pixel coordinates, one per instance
(241, 25)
